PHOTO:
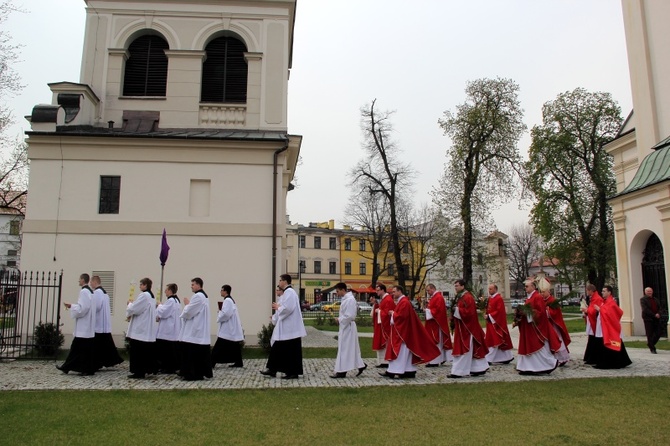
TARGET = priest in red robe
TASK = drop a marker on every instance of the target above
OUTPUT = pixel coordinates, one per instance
(469, 340)
(498, 339)
(613, 355)
(559, 331)
(437, 326)
(381, 319)
(535, 352)
(409, 343)
(594, 345)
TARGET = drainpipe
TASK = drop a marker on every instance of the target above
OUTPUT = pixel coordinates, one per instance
(274, 217)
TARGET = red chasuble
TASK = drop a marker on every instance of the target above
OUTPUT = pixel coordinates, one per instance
(468, 326)
(556, 319)
(497, 333)
(532, 335)
(383, 331)
(439, 322)
(591, 312)
(610, 321)
(408, 329)
(378, 341)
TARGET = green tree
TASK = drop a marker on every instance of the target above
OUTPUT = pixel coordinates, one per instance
(483, 160)
(571, 177)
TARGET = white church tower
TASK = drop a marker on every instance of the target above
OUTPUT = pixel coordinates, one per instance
(178, 122)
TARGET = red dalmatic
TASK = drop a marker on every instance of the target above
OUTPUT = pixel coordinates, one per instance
(382, 331)
(497, 333)
(439, 322)
(532, 335)
(556, 319)
(467, 327)
(408, 329)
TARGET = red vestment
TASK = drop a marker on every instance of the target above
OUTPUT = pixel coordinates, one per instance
(382, 331)
(497, 333)
(610, 322)
(407, 329)
(532, 335)
(467, 327)
(591, 312)
(556, 319)
(378, 341)
(439, 322)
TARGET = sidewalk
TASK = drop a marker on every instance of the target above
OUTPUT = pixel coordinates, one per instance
(42, 375)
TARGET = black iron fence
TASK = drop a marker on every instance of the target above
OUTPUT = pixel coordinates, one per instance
(30, 314)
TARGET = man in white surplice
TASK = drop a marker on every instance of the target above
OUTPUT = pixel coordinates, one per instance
(348, 349)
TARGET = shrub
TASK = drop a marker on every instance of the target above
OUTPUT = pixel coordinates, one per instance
(48, 338)
(320, 319)
(363, 321)
(265, 335)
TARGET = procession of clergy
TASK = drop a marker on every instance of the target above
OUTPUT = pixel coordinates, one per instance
(164, 338)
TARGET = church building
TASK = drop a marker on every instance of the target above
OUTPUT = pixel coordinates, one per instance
(178, 122)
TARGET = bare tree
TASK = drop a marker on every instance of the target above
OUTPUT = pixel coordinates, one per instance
(368, 212)
(420, 252)
(522, 249)
(382, 174)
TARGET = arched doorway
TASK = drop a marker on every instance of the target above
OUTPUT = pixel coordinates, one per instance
(653, 274)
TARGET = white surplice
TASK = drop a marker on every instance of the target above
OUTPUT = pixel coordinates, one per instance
(169, 322)
(83, 313)
(195, 321)
(348, 349)
(142, 313)
(230, 327)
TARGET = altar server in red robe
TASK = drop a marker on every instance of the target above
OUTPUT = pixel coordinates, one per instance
(437, 326)
(535, 357)
(469, 339)
(409, 343)
(594, 345)
(498, 339)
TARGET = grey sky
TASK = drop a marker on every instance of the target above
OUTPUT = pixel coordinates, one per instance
(413, 57)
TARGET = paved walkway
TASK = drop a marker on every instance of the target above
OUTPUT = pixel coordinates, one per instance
(42, 375)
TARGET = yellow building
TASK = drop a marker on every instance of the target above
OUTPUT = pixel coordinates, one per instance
(320, 255)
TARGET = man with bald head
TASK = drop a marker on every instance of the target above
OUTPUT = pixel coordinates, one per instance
(651, 315)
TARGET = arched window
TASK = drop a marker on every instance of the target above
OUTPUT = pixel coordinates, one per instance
(146, 67)
(224, 72)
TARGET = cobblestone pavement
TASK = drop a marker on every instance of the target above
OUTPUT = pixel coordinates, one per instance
(42, 375)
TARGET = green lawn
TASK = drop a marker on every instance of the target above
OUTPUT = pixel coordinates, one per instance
(597, 411)
(661, 345)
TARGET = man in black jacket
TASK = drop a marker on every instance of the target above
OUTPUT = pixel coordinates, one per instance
(651, 315)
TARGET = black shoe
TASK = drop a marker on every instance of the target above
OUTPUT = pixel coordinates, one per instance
(136, 376)
(454, 376)
(289, 377)
(653, 350)
(361, 369)
(235, 365)
(408, 375)
(432, 365)
(339, 375)
(389, 375)
(87, 374)
(527, 372)
(382, 366)
(62, 369)
(268, 372)
(506, 362)
(478, 373)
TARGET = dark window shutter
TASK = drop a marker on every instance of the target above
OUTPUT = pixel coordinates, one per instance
(146, 67)
(224, 73)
